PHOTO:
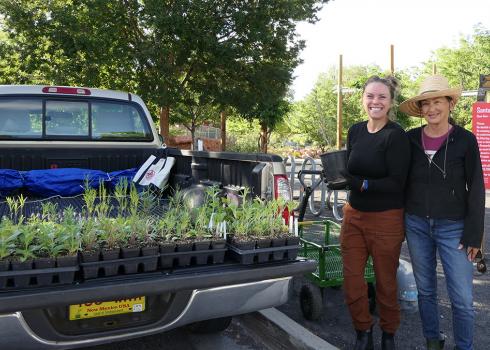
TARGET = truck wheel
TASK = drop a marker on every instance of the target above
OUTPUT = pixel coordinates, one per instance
(372, 298)
(214, 325)
(311, 301)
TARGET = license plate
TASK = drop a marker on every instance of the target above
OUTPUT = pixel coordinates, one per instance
(106, 308)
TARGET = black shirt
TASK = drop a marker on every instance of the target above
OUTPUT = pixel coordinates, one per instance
(383, 159)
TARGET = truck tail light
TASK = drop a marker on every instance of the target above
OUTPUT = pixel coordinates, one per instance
(66, 90)
(283, 190)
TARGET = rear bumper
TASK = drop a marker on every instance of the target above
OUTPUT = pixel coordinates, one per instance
(16, 334)
(216, 292)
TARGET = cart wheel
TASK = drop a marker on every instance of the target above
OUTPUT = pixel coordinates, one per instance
(481, 266)
(311, 301)
(372, 297)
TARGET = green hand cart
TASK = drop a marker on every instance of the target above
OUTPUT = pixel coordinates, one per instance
(329, 269)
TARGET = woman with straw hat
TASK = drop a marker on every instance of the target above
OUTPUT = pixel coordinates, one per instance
(444, 211)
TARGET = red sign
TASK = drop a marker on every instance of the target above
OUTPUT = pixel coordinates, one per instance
(481, 129)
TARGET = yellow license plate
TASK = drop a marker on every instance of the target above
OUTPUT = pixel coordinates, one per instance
(106, 308)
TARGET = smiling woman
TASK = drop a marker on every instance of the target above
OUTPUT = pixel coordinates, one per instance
(378, 155)
(448, 219)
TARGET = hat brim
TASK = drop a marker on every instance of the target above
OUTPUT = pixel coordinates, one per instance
(411, 106)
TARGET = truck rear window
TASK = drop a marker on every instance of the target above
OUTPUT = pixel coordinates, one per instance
(41, 118)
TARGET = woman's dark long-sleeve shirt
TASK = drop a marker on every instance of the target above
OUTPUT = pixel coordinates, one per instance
(458, 195)
(383, 159)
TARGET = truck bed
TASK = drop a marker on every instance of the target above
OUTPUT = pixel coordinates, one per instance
(226, 168)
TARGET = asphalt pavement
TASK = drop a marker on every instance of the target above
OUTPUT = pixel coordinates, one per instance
(336, 328)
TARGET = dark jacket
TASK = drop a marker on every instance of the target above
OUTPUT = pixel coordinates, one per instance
(458, 195)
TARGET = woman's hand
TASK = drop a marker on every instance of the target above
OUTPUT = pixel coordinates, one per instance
(470, 252)
(352, 181)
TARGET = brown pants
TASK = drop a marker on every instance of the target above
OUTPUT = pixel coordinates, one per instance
(379, 234)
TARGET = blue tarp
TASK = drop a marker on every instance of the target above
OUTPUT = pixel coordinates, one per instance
(119, 175)
(63, 182)
(10, 180)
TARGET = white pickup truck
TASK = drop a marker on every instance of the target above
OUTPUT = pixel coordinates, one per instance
(43, 127)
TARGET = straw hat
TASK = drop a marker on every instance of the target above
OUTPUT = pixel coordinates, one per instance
(432, 86)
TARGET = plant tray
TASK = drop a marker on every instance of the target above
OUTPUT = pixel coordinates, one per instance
(262, 255)
(17, 279)
(106, 268)
(184, 254)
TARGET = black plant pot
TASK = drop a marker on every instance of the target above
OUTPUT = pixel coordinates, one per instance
(166, 255)
(218, 244)
(43, 279)
(130, 252)
(44, 263)
(263, 243)
(21, 281)
(130, 266)
(184, 259)
(292, 240)
(110, 269)
(151, 262)
(88, 257)
(202, 245)
(4, 266)
(263, 255)
(279, 254)
(65, 262)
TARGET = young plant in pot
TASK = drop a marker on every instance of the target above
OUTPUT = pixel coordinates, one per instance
(8, 239)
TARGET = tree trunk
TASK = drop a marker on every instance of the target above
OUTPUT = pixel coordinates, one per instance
(164, 123)
(223, 131)
(263, 137)
(193, 137)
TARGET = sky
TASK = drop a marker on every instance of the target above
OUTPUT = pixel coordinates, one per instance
(363, 30)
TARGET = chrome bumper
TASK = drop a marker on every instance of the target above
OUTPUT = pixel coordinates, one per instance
(204, 304)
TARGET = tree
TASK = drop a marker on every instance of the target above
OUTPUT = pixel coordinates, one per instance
(462, 66)
(224, 51)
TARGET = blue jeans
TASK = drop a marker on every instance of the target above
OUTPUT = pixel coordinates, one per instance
(425, 237)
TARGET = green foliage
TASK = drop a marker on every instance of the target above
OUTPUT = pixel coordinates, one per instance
(462, 66)
(189, 53)
(53, 233)
(256, 218)
(9, 231)
(243, 135)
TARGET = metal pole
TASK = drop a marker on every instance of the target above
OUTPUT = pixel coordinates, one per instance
(223, 131)
(434, 68)
(339, 105)
(392, 59)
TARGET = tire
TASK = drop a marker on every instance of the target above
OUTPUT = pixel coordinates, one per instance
(214, 325)
(372, 298)
(311, 302)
